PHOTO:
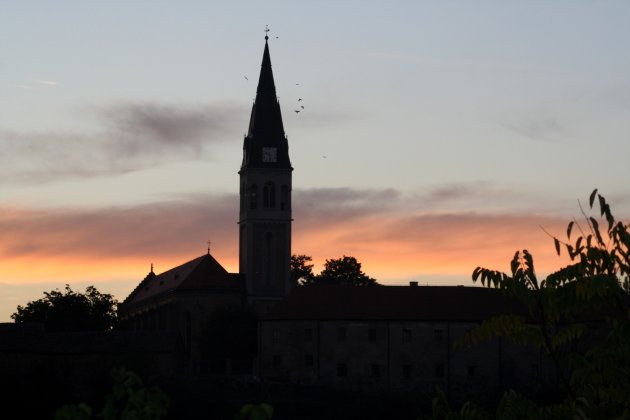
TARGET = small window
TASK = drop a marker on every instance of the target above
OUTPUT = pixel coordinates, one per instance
(308, 360)
(375, 371)
(439, 370)
(342, 370)
(407, 371)
(275, 335)
(372, 334)
(308, 335)
(341, 334)
(276, 361)
(269, 195)
(438, 334)
(406, 335)
(470, 369)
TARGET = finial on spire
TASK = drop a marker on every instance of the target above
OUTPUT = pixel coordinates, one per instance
(152, 267)
(209, 247)
(266, 32)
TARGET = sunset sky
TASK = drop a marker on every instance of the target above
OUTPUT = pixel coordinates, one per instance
(435, 136)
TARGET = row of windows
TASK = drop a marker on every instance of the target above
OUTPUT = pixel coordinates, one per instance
(268, 196)
(342, 335)
(376, 370)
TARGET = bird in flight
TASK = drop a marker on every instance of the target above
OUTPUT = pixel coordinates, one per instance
(297, 111)
(299, 99)
(302, 106)
(245, 77)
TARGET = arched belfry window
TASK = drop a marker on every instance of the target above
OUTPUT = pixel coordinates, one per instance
(284, 198)
(253, 196)
(269, 195)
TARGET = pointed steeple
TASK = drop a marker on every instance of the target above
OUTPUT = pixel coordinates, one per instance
(266, 131)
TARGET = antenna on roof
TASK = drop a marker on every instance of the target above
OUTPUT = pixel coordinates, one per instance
(209, 247)
(152, 267)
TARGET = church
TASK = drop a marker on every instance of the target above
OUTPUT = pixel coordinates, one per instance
(183, 298)
(383, 339)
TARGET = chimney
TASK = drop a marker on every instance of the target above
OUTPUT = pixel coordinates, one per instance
(413, 284)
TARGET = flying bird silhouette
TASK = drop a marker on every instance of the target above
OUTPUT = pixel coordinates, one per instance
(297, 111)
(299, 99)
(245, 77)
(302, 106)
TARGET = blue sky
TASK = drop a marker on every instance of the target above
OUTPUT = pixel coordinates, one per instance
(508, 111)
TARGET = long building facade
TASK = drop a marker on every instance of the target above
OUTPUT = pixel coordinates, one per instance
(396, 339)
(382, 339)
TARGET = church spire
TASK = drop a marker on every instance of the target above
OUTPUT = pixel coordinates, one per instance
(266, 143)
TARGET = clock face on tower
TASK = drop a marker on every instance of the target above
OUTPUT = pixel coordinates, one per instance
(269, 154)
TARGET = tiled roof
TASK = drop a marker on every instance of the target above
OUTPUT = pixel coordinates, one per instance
(431, 303)
(202, 273)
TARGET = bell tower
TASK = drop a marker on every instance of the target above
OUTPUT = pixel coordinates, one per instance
(265, 198)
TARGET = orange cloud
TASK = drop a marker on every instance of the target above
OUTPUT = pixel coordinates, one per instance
(394, 238)
(394, 248)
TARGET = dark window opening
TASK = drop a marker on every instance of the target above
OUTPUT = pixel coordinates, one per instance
(342, 370)
(372, 334)
(341, 334)
(308, 334)
(375, 371)
(407, 371)
(269, 195)
(439, 370)
(406, 335)
(276, 361)
(438, 334)
(308, 360)
(470, 371)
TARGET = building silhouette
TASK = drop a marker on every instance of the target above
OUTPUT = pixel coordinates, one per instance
(381, 339)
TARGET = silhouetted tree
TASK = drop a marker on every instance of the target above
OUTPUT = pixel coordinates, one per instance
(301, 271)
(593, 365)
(70, 311)
(343, 271)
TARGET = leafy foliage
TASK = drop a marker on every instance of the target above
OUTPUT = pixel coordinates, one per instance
(71, 311)
(592, 363)
(301, 270)
(262, 411)
(341, 271)
(128, 400)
